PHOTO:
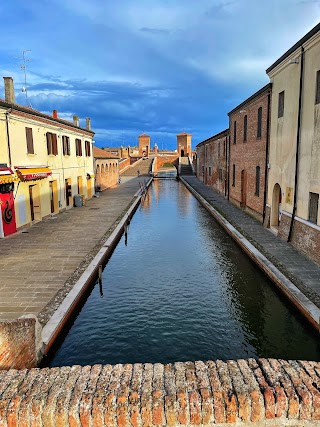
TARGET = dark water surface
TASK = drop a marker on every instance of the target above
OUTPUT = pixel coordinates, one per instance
(182, 290)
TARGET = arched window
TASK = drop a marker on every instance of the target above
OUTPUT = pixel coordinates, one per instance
(257, 181)
(245, 126)
(259, 130)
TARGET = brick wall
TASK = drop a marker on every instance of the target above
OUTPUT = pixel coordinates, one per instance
(265, 392)
(18, 344)
(123, 164)
(211, 164)
(246, 156)
(307, 240)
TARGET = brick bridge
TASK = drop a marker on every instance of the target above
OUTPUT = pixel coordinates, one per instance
(265, 392)
(161, 159)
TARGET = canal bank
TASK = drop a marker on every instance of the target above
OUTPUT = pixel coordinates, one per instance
(293, 273)
(40, 267)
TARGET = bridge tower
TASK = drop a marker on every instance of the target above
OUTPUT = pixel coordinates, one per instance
(144, 145)
(184, 144)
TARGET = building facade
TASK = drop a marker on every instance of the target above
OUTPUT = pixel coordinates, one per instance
(248, 154)
(144, 145)
(294, 175)
(211, 161)
(51, 161)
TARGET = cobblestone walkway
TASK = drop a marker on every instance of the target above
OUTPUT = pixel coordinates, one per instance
(39, 262)
(304, 273)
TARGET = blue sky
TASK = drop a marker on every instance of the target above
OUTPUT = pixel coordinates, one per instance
(159, 67)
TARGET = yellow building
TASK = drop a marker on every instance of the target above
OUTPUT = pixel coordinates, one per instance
(51, 160)
(294, 157)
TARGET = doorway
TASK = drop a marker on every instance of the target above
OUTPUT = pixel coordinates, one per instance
(182, 153)
(34, 199)
(53, 188)
(243, 188)
(80, 185)
(276, 209)
(68, 192)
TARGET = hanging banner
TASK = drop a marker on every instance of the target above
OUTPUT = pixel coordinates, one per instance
(8, 217)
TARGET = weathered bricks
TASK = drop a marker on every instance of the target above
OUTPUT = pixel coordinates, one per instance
(242, 392)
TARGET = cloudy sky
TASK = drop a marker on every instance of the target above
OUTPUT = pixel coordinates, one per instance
(154, 66)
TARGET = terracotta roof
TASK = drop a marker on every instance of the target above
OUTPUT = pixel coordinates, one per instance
(102, 154)
(144, 134)
(29, 110)
(183, 133)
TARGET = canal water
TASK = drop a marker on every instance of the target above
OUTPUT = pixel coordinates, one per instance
(179, 290)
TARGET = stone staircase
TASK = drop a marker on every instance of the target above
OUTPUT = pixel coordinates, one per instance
(143, 166)
(185, 167)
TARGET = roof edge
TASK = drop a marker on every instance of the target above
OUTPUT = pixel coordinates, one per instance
(45, 116)
(299, 43)
(255, 95)
(222, 133)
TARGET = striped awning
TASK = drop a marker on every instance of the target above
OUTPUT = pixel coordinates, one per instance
(32, 174)
(7, 175)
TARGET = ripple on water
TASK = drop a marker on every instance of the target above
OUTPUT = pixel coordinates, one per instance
(182, 290)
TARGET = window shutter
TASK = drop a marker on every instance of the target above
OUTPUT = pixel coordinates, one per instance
(29, 136)
(49, 140)
(257, 181)
(68, 145)
(54, 144)
(318, 88)
(281, 104)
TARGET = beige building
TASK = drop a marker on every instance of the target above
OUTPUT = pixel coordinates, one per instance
(294, 158)
(51, 161)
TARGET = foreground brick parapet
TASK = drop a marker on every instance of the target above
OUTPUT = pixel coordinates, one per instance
(241, 392)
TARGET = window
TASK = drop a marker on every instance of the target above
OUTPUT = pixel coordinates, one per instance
(259, 130)
(313, 207)
(78, 147)
(87, 146)
(66, 145)
(257, 193)
(52, 145)
(234, 132)
(318, 88)
(233, 175)
(29, 138)
(281, 104)
(245, 126)
(209, 170)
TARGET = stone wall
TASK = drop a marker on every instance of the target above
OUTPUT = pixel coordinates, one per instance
(123, 164)
(265, 392)
(18, 344)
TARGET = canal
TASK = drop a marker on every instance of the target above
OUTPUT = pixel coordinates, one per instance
(181, 289)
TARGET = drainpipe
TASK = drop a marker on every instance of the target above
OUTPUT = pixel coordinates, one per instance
(8, 138)
(295, 197)
(266, 162)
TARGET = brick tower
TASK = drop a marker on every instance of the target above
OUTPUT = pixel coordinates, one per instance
(184, 144)
(144, 145)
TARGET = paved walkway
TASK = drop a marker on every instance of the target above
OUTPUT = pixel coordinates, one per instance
(304, 273)
(41, 261)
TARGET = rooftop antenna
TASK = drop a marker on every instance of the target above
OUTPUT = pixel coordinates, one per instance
(24, 69)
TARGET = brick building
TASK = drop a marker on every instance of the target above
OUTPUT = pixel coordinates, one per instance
(106, 167)
(144, 145)
(211, 161)
(184, 144)
(249, 134)
(294, 175)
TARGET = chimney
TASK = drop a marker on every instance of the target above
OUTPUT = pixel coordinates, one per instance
(76, 120)
(88, 123)
(55, 114)
(9, 90)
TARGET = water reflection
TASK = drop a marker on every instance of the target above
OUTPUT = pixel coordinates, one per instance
(183, 290)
